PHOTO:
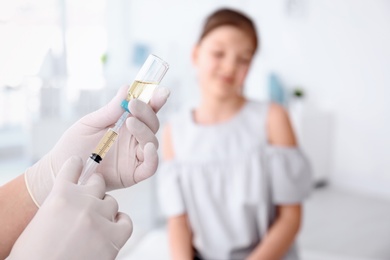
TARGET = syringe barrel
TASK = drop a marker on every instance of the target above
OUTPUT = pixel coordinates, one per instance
(153, 70)
(89, 168)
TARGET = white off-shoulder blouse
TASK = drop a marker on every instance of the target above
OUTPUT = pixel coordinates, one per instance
(228, 180)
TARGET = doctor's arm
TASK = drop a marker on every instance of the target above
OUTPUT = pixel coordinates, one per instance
(16, 211)
(283, 231)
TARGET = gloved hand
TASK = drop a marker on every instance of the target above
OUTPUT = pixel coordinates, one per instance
(75, 222)
(131, 159)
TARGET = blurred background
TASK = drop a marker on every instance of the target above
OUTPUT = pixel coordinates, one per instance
(327, 62)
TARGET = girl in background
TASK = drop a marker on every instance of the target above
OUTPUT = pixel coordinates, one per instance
(233, 179)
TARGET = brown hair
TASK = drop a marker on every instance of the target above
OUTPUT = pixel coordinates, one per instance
(231, 17)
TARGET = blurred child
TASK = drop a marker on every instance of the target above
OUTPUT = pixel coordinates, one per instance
(233, 179)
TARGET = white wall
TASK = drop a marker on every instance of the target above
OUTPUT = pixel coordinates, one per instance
(337, 50)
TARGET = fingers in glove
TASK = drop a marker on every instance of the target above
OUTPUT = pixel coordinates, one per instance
(122, 228)
(71, 170)
(108, 114)
(141, 132)
(108, 207)
(96, 186)
(149, 165)
(144, 113)
(159, 98)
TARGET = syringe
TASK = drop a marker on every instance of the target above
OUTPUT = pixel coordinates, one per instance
(146, 81)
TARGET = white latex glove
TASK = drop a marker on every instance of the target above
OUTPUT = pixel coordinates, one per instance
(75, 222)
(131, 159)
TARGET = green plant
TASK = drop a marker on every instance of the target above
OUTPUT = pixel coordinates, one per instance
(298, 92)
(104, 58)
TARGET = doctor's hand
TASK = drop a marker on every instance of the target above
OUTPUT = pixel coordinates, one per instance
(75, 222)
(131, 159)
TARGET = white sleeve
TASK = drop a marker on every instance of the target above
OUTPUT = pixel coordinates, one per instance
(290, 175)
(170, 194)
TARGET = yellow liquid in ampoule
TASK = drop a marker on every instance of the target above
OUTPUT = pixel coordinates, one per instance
(105, 143)
(141, 90)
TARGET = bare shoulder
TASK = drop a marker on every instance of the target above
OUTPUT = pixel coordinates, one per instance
(279, 128)
(167, 146)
